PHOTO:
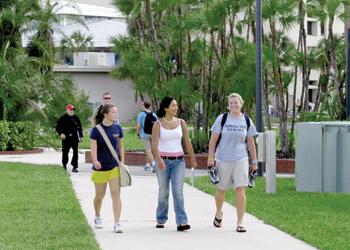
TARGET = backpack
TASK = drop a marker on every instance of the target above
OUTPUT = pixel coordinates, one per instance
(149, 121)
(223, 121)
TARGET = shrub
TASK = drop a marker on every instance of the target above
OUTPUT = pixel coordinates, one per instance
(23, 135)
(199, 142)
(4, 135)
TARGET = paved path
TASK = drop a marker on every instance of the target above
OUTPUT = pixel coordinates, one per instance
(138, 217)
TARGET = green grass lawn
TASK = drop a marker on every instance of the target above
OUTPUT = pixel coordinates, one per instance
(320, 219)
(131, 141)
(38, 210)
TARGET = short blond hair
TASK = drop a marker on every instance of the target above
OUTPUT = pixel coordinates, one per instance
(236, 95)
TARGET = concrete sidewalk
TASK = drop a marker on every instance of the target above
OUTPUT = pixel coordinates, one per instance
(138, 217)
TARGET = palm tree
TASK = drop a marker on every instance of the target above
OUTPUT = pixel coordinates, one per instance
(76, 42)
(281, 13)
(327, 11)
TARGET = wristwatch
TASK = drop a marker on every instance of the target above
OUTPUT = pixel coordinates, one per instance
(254, 162)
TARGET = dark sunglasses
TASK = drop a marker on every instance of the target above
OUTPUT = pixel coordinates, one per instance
(107, 98)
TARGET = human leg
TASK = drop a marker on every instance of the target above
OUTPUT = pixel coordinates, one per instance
(163, 177)
(177, 181)
(100, 190)
(74, 161)
(240, 176)
(114, 187)
(240, 204)
(65, 151)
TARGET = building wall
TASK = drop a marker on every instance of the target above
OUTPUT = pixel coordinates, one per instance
(102, 3)
(123, 95)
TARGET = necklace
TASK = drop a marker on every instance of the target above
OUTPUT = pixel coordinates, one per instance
(168, 120)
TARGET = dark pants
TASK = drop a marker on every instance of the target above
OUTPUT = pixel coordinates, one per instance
(67, 144)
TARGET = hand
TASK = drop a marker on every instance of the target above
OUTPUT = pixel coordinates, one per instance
(161, 164)
(97, 165)
(121, 164)
(253, 168)
(80, 139)
(62, 136)
(210, 162)
(194, 164)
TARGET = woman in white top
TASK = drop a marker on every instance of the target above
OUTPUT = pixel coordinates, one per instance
(167, 135)
(231, 157)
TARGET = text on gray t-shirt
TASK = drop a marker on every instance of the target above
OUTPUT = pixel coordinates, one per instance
(232, 146)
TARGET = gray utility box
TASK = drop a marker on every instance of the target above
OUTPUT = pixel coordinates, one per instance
(323, 157)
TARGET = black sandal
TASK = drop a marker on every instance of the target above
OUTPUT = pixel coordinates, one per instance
(241, 229)
(217, 222)
(183, 227)
(159, 225)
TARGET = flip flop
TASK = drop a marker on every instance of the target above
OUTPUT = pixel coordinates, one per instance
(241, 229)
(217, 222)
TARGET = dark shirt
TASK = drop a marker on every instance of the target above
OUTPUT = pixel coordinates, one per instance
(70, 126)
(104, 156)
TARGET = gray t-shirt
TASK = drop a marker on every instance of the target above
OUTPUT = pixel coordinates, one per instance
(232, 146)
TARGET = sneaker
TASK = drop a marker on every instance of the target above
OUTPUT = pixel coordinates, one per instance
(147, 168)
(98, 222)
(153, 167)
(75, 170)
(118, 228)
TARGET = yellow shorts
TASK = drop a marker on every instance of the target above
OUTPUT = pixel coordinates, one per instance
(99, 177)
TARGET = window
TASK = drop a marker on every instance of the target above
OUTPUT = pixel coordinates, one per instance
(312, 28)
(322, 28)
(312, 91)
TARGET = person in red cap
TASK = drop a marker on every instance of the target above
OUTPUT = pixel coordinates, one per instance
(70, 130)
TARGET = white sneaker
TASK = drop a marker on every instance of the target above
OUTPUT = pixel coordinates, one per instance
(98, 223)
(118, 228)
(147, 168)
(153, 167)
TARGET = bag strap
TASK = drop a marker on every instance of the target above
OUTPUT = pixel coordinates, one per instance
(108, 142)
(223, 121)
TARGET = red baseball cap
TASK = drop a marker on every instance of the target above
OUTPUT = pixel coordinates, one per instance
(70, 107)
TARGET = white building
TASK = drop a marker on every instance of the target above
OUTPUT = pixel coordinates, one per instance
(91, 70)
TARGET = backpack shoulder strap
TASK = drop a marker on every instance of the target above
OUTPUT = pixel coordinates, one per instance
(247, 120)
(224, 119)
(108, 142)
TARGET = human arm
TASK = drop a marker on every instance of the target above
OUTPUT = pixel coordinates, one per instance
(188, 143)
(80, 129)
(121, 151)
(252, 152)
(155, 142)
(59, 128)
(93, 145)
(138, 124)
(211, 151)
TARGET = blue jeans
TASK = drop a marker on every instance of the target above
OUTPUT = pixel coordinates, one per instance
(174, 172)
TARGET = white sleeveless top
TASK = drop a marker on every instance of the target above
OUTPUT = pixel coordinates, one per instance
(170, 141)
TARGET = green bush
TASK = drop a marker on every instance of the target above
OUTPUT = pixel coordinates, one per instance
(22, 135)
(4, 135)
(199, 141)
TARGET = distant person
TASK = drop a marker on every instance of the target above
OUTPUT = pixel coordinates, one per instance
(70, 130)
(236, 132)
(145, 121)
(167, 135)
(106, 99)
(105, 166)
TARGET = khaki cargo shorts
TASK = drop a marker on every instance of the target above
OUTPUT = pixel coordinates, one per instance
(232, 174)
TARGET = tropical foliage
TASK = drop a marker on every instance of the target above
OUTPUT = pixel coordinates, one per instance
(29, 89)
(200, 51)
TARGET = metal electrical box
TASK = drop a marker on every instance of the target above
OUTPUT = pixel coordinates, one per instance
(323, 157)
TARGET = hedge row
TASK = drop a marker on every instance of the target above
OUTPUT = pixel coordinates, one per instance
(19, 135)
